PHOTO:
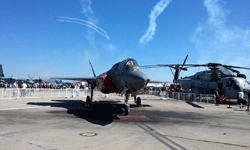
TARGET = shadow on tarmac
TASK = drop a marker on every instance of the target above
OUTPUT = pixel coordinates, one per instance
(99, 112)
(194, 105)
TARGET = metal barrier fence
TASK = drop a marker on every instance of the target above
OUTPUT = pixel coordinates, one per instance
(41, 93)
(192, 97)
(49, 93)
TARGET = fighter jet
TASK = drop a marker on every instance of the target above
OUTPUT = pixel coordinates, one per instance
(124, 77)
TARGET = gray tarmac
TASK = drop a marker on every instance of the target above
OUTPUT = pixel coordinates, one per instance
(66, 123)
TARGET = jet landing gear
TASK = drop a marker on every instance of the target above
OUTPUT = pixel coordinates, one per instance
(88, 101)
(126, 109)
(137, 101)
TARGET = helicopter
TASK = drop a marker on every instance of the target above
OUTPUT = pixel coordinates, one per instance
(224, 78)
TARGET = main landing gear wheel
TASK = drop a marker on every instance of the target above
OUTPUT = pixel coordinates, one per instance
(138, 101)
(126, 110)
(88, 101)
(135, 99)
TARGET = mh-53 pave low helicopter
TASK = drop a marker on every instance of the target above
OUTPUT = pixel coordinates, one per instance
(228, 81)
(124, 77)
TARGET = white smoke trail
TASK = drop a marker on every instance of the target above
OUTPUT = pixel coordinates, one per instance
(88, 22)
(218, 41)
(155, 12)
(87, 10)
(85, 23)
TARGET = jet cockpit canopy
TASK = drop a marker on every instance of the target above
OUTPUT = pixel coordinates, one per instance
(131, 64)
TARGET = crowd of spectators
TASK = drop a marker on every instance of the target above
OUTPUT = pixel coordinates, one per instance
(5, 85)
(155, 90)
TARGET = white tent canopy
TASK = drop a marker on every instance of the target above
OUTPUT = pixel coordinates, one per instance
(151, 85)
(159, 85)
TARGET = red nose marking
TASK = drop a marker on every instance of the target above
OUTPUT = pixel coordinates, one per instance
(107, 83)
(147, 82)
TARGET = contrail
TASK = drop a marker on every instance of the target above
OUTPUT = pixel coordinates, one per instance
(85, 23)
(88, 25)
(155, 12)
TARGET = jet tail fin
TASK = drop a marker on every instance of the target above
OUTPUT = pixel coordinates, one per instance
(92, 68)
(1, 71)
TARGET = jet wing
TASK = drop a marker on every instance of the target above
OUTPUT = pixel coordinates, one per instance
(77, 79)
(8, 80)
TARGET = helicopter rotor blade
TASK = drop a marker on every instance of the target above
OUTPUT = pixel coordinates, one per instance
(171, 71)
(233, 70)
(236, 67)
(184, 61)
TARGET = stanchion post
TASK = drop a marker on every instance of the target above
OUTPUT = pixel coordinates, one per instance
(247, 106)
(229, 104)
(10, 92)
(42, 93)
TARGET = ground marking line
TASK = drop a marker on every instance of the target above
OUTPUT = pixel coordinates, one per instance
(23, 108)
(171, 144)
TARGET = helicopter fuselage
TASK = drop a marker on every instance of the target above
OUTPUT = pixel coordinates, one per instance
(206, 83)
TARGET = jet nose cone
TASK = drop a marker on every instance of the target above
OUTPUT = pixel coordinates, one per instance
(142, 76)
(139, 76)
(138, 80)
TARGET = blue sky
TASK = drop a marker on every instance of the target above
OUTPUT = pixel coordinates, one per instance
(56, 38)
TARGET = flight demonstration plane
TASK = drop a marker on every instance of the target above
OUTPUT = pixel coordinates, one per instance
(124, 77)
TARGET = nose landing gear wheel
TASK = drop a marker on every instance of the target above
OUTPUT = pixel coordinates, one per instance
(126, 110)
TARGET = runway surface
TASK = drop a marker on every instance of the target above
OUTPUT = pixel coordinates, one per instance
(66, 123)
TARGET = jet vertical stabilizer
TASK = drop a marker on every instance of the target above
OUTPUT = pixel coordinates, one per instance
(92, 68)
(1, 71)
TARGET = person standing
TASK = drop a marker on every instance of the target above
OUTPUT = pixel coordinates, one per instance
(240, 99)
(216, 92)
(77, 87)
(248, 94)
(72, 87)
(5, 86)
(24, 86)
(14, 89)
